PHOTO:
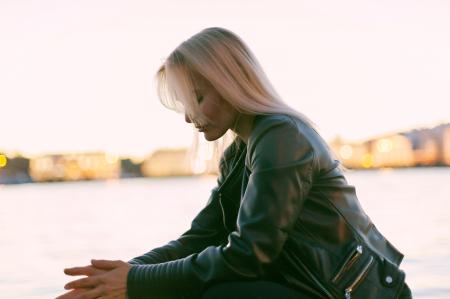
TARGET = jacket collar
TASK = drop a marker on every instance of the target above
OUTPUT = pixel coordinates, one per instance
(238, 163)
(236, 168)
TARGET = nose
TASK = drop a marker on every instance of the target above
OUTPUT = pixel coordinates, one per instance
(187, 119)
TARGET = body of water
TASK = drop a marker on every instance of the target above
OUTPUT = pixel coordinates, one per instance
(45, 228)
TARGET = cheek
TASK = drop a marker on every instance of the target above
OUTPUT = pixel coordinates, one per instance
(211, 110)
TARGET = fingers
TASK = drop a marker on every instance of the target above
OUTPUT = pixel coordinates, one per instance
(87, 282)
(82, 294)
(87, 270)
(106, 264)
(72, 294)
(94, 293)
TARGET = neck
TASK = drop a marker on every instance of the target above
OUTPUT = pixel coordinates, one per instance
(243, 126)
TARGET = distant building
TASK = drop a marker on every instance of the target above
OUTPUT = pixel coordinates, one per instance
(392, 151)
(352, 155)
(386, 151)
(130, 169)
(446, 146)
(442, 137)
(419, 147)
(14, 170)
(167, 162)
(72, 167)
(429, 145)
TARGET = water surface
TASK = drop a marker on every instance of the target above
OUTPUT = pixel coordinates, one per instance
(47, 227)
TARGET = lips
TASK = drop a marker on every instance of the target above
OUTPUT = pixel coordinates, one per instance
(200, 128)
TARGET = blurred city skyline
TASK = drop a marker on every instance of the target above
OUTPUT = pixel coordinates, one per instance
(78, 76)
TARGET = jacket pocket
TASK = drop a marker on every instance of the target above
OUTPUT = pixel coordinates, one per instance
(372, 277)
(349, 261)
(353, 285)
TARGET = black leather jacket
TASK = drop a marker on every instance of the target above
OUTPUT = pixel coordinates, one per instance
(283, 211)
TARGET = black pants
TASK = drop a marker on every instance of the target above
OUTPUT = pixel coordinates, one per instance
(260, 289)
(263, 290)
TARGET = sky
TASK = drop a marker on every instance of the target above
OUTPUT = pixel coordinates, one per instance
(79, 75)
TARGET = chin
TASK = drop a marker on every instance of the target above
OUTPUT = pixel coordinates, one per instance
(210, 136)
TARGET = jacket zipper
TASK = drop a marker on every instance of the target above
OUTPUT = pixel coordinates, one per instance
(233, 169)
(349, 290)
(223, 211)
(351, 259)
(226, 180)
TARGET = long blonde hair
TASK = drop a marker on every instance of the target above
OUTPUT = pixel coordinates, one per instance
(226, 62)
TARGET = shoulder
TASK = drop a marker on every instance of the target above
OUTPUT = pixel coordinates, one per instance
(278, 126)
(278, 139)
(265, 121)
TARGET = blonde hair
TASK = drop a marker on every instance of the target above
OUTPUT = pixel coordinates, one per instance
(223, 59)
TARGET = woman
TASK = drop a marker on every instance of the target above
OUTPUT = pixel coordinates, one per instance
(282, 221)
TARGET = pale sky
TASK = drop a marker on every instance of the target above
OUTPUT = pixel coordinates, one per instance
(78, 75)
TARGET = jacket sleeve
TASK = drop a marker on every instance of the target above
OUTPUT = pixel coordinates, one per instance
(281, 170)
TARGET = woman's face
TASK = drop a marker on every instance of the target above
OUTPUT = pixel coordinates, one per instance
(218, 113)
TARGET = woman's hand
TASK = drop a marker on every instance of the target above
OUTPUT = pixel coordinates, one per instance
(106, 279)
